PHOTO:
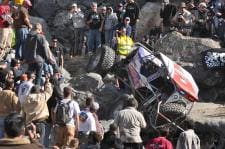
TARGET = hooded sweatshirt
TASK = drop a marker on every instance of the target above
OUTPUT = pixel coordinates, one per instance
(110, 20)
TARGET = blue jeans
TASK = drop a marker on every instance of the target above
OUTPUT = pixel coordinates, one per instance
(2, 127)
(108, 37)
(94, 39)
(21, 36)
(38, 68)
(42, 129)
(133, 32)
(47, 134)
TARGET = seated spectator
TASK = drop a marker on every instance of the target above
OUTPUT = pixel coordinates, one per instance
(124, 43)
(36, 52)
(14, 126)
(16, 68)
(160, 140)
(111, 140)
(183, 20)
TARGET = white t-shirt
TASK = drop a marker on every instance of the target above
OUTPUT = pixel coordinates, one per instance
(88, 125)
(24, 90)
(73, 111)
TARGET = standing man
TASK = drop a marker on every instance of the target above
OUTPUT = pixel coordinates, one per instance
(57, 52)
(79, 26)
(22, 25)
(109, 22)
(167, 12)
(132, 11)
(94, 21)
(130, 121)
(66, 118)
(188, 139)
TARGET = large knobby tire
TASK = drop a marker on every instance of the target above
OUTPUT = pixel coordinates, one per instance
(174, 111)
(102, 60)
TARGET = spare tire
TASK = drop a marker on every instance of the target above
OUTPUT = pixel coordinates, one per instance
(102, 60)
(172, 110)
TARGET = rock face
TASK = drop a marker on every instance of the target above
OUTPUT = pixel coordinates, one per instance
(149, 17)
(210, 123)
(187, 52)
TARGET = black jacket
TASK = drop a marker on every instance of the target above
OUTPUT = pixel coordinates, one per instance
(132, 11)
(35, 48)
(167, 14)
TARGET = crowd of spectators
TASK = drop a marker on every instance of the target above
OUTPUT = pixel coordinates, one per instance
(33, 104)
(199, 18)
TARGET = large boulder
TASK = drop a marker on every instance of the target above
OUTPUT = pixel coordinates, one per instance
(149, 18)
(88, 82)
(209, 123)
(187, 52)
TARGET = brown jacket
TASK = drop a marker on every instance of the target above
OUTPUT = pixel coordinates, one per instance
(9, 102)
(18, 143)
(35, 105)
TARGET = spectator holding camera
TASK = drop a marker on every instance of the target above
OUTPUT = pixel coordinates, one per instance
(94, 21)
(183, 20)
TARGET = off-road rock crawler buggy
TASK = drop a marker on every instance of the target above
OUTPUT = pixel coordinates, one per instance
(165, 91)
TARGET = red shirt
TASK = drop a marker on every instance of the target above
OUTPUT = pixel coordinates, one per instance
(159, 143)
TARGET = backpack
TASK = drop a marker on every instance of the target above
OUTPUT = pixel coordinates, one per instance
(62, 113)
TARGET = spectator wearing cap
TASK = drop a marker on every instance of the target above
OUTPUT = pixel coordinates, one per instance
(183, 20)
(132, 11)
(129, 122)
(87, 124)
(94, 21)
(167, 12)
(125, 24)
(79, 27)
(36, 109)
(109, 22)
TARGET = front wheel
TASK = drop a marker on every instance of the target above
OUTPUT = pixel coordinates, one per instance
(102, 60)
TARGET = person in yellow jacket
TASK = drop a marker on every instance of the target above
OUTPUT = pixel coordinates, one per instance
(124, 43)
